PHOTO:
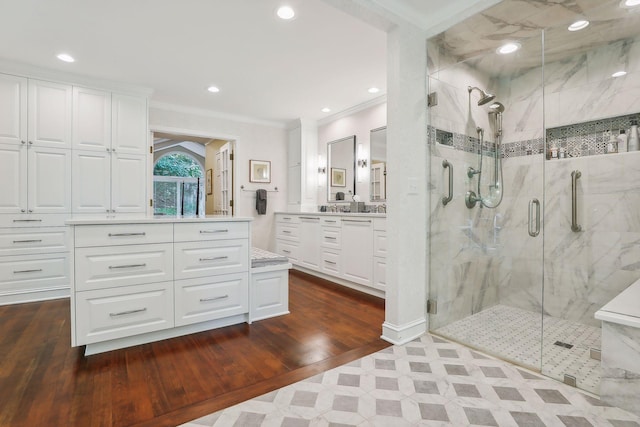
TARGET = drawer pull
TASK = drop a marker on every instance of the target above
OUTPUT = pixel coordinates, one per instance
(288, 218)
(28, 241)
(213, 298)
(126, 234)
(27, 220)
(329, 262)
(328, 220)
(286, 231)
(37, 270)
(286, 251)
(113, 267)
(215, 258)
(357, 220)
(124, 313)
(332, 238)
(310, 217)
(213, 231)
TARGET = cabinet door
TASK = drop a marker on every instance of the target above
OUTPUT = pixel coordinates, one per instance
(13, 178)
(128, 183)
(91, 181)
(309, 230)
(49, 114)
(357, 250)
(91, 119)
(129, 121)
(49, 184)
(13, 109)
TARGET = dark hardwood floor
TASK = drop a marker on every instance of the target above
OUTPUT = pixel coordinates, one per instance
(45, 382)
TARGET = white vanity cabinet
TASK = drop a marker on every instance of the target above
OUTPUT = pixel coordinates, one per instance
(141, 280)
(347, 248)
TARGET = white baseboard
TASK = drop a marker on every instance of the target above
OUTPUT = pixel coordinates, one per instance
(24, 296)
(402, 334)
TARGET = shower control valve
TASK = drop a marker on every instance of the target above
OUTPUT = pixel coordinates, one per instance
(471, 171)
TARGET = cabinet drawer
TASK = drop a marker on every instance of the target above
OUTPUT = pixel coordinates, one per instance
(287, 232)
(289, 249)
(108, 314)
(330, 238)
(380, 243)
(34, 272)
(332, 221)
(115, 266)
(201, 259)
(380, 224)
(122, 234)
(330, 263)
(210, 231)
(26, 241)
(203, 299)
(379, 273)
(33, 220)
(288, 219)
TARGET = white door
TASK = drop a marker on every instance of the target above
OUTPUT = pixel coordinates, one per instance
(13, 109)
(129, 121)
(13, 178)
(226, 182)
(128, 175)
(357, 250)
(217, 195)
(49, 114)
(91, 119)
(91, 182)
(49, 184)
(309, 232)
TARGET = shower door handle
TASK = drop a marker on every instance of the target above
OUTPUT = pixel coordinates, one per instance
(574, 201)
(533, 232)
(447, 199)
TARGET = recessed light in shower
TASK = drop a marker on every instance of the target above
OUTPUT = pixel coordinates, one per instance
(508, 48)
(629, 3)
(619, 74)
(578, 25)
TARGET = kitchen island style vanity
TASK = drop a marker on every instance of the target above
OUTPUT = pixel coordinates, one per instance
(140, 280)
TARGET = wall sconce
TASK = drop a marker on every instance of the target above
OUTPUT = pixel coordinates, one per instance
(362, 163)
(322, 168)
(362, 159)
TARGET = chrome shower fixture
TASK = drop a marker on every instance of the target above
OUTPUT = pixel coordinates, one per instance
(485, 97)
(496, 107)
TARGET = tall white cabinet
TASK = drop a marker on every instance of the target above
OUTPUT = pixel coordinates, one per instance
(62, 153)
(302, 164)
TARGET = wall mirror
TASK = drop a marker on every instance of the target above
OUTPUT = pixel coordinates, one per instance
(341, 169)
(378, 150)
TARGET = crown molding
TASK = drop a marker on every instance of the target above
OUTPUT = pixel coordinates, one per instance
(355, 109)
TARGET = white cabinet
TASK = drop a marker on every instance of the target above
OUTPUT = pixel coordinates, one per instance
(13, 108)
(13, 178)
(380, 253)
(309, 238)
(50, 112)
(302, 158)
(357, 241)
(91, 119)
(129, 124)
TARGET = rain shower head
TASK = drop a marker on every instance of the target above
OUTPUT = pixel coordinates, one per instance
(485, 97)
(496, 107)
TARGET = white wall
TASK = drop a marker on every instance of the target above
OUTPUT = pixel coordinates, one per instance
(254, 141)
(358, 124)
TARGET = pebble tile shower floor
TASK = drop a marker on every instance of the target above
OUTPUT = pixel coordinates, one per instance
(430, 382)
(514, 334)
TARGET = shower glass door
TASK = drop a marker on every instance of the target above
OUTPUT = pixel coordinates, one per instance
(486, 145)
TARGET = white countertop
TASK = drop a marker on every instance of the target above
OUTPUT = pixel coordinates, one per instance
(365, 214)
(624, 309)
(161, 219)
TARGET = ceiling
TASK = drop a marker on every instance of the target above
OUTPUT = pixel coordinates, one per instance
(266, 68)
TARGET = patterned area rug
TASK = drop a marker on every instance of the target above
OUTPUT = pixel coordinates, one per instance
(430, 382)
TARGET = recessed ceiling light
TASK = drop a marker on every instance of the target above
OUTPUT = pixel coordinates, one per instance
(213, 89)
(373, 90)
(66, 57)
(619, 74)
(508, 48)
(326, 110)
(286, 12)
(578, 25)
(629, 3)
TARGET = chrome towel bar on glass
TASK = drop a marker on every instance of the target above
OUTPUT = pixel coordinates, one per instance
(574, 201)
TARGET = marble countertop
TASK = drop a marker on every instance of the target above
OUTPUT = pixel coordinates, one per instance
(624, 308)
(359, 214)
(162, 219)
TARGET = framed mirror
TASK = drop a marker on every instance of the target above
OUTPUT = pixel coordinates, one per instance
(378, 150)
(341, 169)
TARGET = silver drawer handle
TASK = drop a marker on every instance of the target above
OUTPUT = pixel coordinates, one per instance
(326, 220)
(28, 241)
(310, 217)
(112, 267)
(215, 258)
(213, 231)
(286, 232)
(126, 234)
(287, 218)
(27, 271)
(332, 238)
(286, 251)
(329, 262)
(27, 220)
(213, 298)
(123, 313)
(357, 220)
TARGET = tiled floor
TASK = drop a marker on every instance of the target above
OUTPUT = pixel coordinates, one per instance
(514, 334)
(430, 382)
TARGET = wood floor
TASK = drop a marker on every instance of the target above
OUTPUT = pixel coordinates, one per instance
(43, 381)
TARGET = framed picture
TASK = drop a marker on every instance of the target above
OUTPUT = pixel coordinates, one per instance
(209, 181)
(338, 177)
(259, 171)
